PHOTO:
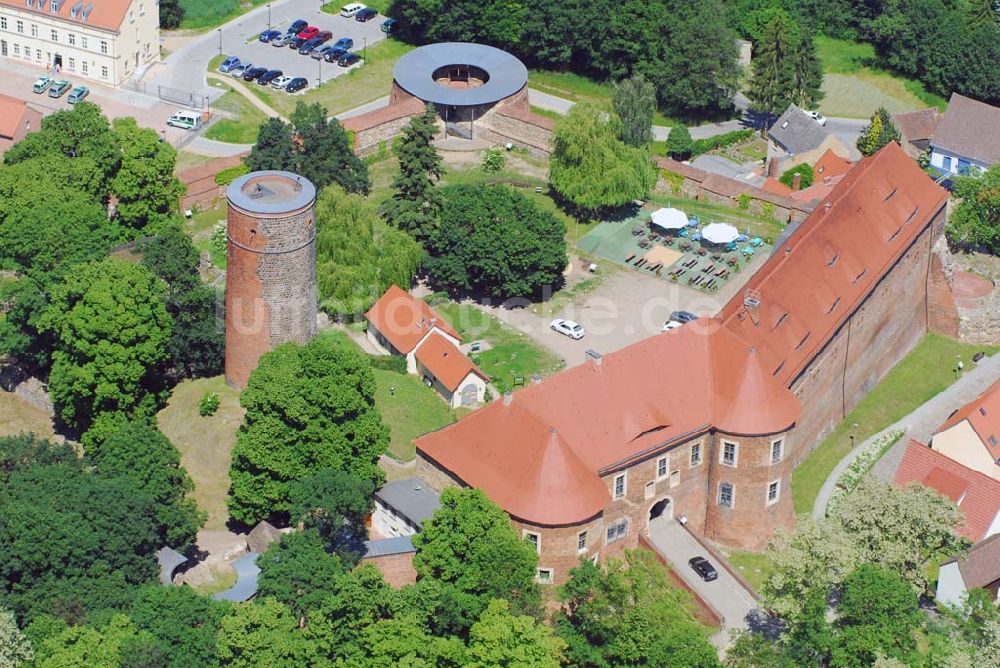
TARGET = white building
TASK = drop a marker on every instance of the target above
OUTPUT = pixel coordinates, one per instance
(100, 40)
(967, 139)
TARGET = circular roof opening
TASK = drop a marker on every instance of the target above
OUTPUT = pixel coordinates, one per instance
(460, 74)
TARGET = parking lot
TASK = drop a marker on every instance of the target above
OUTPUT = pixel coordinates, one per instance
(244, 44)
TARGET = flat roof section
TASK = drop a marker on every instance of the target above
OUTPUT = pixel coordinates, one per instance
(414, 72)
(271, 192)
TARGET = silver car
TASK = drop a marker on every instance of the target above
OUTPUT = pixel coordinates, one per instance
(238, 71)
(280, 82)
(282, 40)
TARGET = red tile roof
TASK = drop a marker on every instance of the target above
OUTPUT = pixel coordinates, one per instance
(810, 286)
(979, 502)
(106, 14)
(446, 362)
(918, 125)
(404, 320)
(411, 106)
(773, 185)
(983, 414)
(639, 398)
(12, 113)
(829, 165)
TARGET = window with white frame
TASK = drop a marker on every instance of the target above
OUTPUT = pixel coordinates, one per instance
(83, 66)
(3, 22)
(104, 46)
(581, 541)
(545, 575)
(17, 49)
(729, 454)
(71, 63)
(675, 478)
(83, 42)
(54, 35)
(34, 30)
(695, 454)
(662, 466)
(20, 26)
(535, 540)
(71, 38)
(726, 495)
(773, 492)
(621, 486)
(650, 490)
(104, 72)
(777, 450)
(617, 531)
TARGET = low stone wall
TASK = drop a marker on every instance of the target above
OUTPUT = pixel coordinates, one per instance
(26, 388)
(368, 141)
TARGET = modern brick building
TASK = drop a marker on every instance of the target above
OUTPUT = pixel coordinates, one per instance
(271, 275)
(100, 40)
(708, 421)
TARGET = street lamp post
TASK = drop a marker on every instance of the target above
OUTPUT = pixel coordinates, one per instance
(365, 56)
(219, 30)
(269, 16)
(319, 76)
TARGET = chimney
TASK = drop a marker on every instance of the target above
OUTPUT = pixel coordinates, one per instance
(536, 378)
(772, 168)
(594, 355)
(508, 397)
(797, 181)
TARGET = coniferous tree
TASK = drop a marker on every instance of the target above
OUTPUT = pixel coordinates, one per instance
(773, 65)
(807, 73)
(634, 101)
(416, 202)
(879, 132)
(679, 143)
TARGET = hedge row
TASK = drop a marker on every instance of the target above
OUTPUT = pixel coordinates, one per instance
(699, 146)
(229, 174)
(395, 363)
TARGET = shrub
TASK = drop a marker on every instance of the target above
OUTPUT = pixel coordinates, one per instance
(494, 160)
(744, 201)
(679, 143)
(209, 404)
(395, 363)
(804, 170)
(699, 146)
(674, 180)
(218, 242)
(860, 467)
(229, 174)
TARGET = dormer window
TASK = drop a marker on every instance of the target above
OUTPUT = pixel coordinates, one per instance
(859, 276)
(982, 410)
(778, 369)
(833, 305)
(782, 318)
(891, 195)
(833, 260)
(896, 233)
(803, 341)
(912, 216)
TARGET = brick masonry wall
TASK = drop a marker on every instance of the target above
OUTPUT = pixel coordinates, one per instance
(942, 311)
(397, 569)
(367, 142)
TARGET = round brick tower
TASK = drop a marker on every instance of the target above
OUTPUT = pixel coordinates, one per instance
(271, 275)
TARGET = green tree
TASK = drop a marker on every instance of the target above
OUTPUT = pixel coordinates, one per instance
(810, 638)
(15, 648)
(634, 100)
(416, 201)
(976, 220)
(171, 14)
(308, 408)
(469, 543)
(324, 152)
(335, 504)
(22, 335)
(144, 185)
(500, 638)
(263, 633)
(139, 452)
(805, 172)
(274, 149)
(878, 613)
(401, 642)
(493, 240)
(773, 67)
(111, 330)
(591, 168)
(807, 73)
(298, 571)
(183, 621)
(111, 645)
(357, 256)
(679, 143)
(879, 132)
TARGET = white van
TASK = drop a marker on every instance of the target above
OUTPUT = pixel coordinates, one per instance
(185, 120)
(350, 10)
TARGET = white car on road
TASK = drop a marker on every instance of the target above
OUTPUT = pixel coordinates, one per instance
(816, 116)
(568, 328)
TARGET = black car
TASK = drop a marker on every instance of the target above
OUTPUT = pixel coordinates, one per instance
(295, 42)
(297, 26)
(683, 317)
(334, 54)
(704, 569)
(268, 77)
(296, 84)
(254, 73)
(366, 14)
(348, 59)
(309, 45)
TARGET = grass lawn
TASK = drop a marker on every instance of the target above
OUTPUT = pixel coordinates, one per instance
(201, 15)
(410, 408)
(925, 372)
(224, 578)
(751, 565)
(577, 88)
(205, 443)
(511, 354)
(243, 128)
(187, 160)
(547, 113)
(334, 7)
(200, 226)
(17, 417)
(855, 87)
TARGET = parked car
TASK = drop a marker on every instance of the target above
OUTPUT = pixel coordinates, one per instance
(228, 64)
(78, 94)
(269, 76)
(350, 10)
(703, 568)
(308, 32)
(280, 82)
(345, 43)
(325, 36)
(240, 70)
(297, 26)
(816, 116)
(387, 26)
(348, 59)
(59, 88)
(320, 51)
(568, 328)
(334, 54)
(268, 35)
(678, 318)
(296, 84)
(308, 47)
(366, 14)
(295, 42)
(253, 73)
(282, 40)
(42, 84)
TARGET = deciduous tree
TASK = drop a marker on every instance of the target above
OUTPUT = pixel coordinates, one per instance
(501, 638)
(183, 622)
(298, 571)
(112, 645)
(634, 100)
(976, 221)
(171, 14)
(15, 648)
(335, 504)
(144, 186)
(274, 149)
(263, 633)
(877, 613)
